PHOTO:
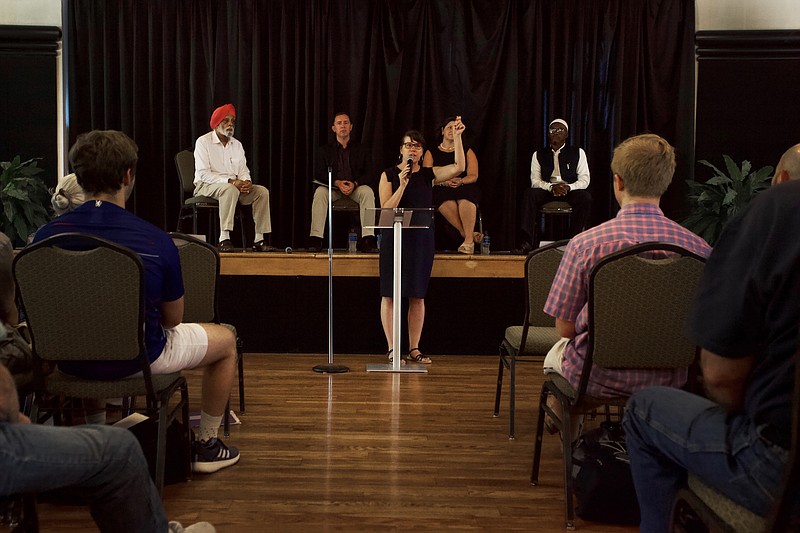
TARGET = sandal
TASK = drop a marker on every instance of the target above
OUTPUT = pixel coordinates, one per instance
(391, 357)
(477, 236)
(419, 358)
(467, 248)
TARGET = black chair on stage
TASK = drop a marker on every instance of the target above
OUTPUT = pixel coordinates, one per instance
(191, 204)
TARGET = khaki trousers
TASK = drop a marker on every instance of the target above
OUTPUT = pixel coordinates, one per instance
(228, 195)
(363, 196)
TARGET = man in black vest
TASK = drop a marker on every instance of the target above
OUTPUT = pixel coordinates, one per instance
(558, 172)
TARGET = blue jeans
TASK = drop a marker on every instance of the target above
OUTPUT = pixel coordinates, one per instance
(104, 465)
(670, 432)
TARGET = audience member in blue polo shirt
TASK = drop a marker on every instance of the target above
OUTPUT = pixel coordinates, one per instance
(105, 165)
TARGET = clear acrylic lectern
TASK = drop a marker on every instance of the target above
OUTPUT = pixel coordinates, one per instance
(399, 219)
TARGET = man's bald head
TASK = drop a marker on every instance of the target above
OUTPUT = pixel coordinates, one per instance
(789, 166)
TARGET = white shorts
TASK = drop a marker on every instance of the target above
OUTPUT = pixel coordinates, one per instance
(554, 358)
(186, 347)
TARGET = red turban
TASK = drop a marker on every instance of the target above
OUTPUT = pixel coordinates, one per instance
(220, 113)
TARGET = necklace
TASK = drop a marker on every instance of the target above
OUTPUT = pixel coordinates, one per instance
(444, 149)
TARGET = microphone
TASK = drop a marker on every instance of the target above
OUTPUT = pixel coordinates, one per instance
(410, 162)
(288, 250)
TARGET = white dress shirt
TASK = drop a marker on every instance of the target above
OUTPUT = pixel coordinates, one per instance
(583, 172)
(217, 163)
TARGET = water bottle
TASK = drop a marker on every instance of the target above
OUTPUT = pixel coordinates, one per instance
(486, 244)
(352, 242)
(378, 239)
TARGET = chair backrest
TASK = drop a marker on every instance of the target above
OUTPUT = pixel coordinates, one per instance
(83, 297)
(184, 162)
(540, 270)
(200, 271)
(638, 302)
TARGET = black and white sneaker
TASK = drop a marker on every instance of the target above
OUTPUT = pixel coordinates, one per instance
(213, 455)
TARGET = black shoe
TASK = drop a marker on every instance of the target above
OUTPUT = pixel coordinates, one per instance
(225, 246)
(314, 244)
(524, 249)
(368, 244)
(262, 246)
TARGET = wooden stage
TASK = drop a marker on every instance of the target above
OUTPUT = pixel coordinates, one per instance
(278, 301)
(366, 265)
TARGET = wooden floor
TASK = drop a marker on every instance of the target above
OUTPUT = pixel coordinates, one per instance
(372, 452)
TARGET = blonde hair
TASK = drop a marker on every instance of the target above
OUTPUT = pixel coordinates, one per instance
(646, 164)
(68, 195)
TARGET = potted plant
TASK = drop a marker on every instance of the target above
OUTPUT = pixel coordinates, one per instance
(24, 197)
(714, 202)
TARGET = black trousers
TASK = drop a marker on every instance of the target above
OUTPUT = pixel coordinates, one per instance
(535, 198)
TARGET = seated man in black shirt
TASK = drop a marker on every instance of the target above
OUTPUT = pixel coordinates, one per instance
(745, 319)
(558, 172)
(349, 162)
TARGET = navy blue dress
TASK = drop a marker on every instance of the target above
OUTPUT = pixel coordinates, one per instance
(418, 246)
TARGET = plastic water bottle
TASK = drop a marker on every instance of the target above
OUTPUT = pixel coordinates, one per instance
(486, 244)
(378, 239)
(352, 242)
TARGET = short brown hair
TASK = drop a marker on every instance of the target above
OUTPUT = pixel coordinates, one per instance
(646, 164)
(101, 158)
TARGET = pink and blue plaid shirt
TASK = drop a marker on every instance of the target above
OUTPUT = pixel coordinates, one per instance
(634, 224)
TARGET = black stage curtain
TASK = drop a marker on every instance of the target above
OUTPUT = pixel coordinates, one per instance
(157, 68)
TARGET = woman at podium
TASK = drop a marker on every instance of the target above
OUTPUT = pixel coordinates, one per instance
(407, 184)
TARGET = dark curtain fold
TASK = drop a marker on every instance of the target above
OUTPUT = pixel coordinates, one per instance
(157, 68)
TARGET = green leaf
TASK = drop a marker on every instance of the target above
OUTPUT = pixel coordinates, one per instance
(730, 197)
(719, 180)
(733, 170)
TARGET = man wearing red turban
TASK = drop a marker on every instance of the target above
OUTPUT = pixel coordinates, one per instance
(221, 172)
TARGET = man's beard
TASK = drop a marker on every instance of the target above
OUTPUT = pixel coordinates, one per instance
(227, 132)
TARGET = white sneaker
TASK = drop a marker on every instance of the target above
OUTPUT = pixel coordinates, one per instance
(197, 527)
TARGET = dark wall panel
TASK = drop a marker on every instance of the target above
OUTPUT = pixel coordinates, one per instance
(747, 96)
(28, 95)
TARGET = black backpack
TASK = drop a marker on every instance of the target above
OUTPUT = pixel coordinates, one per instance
(601, 474)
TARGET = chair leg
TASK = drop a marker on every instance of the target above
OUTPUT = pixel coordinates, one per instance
(499, 384)
(537, 447)
(161, 447)
(566, 450)
(241, 226)
(512, 391)
(240, 358)
(226, 420)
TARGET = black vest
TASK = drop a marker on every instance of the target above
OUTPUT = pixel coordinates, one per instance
(567, 162)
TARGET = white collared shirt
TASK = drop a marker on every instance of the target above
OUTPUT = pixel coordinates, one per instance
(217, 163)
(583, 172)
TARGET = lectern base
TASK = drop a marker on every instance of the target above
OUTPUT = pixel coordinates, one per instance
(408, 368)
(330, 369)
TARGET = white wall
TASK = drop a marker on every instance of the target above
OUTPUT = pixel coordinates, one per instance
(711, 14)
(31, 12)
(747, 14)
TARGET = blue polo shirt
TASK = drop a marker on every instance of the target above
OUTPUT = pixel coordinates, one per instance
(163, 281)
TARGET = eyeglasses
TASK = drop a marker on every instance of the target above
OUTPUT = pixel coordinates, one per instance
(412, 145)
(557, 130)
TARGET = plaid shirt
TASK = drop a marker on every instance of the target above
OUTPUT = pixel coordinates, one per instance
(634, 224)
